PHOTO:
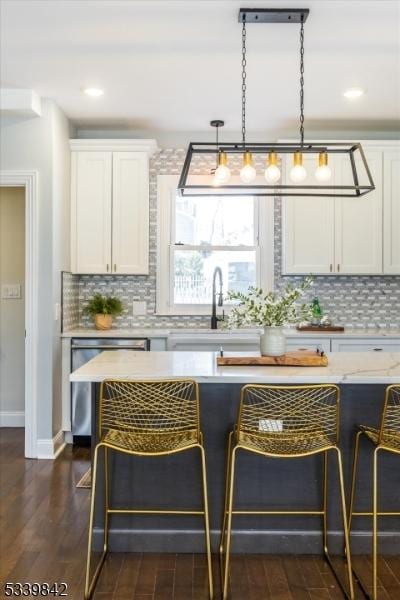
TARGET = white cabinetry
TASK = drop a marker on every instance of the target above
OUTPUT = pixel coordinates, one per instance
(391, 228)
(347, 235)
(308, 232)
(130, 213)
(110, 206)
(91, 212)
(309, 343)
(214, 342)
(365, 345)
(358, 223)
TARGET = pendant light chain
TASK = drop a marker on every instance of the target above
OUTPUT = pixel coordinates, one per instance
(217, 140)
(302, 83)
(244, 84)
(311, 179)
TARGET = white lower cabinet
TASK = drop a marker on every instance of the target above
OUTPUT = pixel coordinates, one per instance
(307, 343)
(213, 343)
(365, 345)
(158, 344)
(251, 343)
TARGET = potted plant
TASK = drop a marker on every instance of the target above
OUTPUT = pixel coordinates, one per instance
(272, 311)
(103, 308)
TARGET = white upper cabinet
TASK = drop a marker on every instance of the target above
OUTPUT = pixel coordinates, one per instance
(110, 206)
(391, 230)
(357, 235)
(308, 228)
(130, 204)
(358, 222)
(91, 212)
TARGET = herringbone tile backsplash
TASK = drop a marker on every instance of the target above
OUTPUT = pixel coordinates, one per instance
(353, 301)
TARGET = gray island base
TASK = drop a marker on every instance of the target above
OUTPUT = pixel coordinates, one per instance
(264, 483)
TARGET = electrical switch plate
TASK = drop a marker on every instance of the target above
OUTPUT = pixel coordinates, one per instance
(138, 308)
(57, 310)
(11, 291)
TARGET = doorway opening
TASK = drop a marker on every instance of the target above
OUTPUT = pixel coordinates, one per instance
(19, 304)
(12, 307)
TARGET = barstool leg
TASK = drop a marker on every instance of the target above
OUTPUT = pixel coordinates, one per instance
(106, 497)
(206, 522)
(375, 527)
(354, 478)
(325, 502)
(228, 461)
(345, 528)
(229, 524)
(89, 585)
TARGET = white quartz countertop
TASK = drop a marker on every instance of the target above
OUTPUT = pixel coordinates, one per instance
(343, 367)
(367, 332)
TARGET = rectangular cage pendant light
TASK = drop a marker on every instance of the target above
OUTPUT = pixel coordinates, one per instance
(298, 168)
(350, 175)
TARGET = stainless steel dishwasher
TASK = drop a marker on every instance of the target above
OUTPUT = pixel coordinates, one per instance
(82, 350)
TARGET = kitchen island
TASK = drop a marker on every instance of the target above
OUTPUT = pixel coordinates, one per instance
(264, 483)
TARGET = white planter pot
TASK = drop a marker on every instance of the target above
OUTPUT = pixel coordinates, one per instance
(272, 342)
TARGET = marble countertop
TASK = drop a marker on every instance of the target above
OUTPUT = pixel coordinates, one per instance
(144, 332)
(343, 367)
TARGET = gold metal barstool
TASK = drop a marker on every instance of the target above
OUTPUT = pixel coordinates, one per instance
(384, 439)
(146, 418)
(286, 422)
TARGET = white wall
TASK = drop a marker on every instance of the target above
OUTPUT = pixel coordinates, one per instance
(12, 317)
(61, 240)
(41, 144)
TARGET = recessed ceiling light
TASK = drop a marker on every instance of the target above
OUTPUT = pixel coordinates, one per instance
(93, 92)
(353, 93)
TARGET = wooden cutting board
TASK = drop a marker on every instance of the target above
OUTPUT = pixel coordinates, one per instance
(337, 328)
(297, 358)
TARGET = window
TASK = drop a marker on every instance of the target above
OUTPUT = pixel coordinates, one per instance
(197, 234)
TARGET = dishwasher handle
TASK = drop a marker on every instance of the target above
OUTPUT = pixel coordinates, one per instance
(143, 347)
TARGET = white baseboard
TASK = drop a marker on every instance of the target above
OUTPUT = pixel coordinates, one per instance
(68, 437)
(52, 447)
(12, 418)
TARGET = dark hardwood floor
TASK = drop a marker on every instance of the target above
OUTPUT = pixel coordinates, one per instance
(43, 520)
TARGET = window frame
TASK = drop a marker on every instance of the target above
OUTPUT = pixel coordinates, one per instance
(166, 247)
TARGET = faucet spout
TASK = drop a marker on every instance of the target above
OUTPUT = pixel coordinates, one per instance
(214, 318)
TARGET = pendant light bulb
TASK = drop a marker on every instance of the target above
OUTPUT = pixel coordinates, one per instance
(222, 172)
(272, 172)
(298, 172)
(323, 172)
(247, 172)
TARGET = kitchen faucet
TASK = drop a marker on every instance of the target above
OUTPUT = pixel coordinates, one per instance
(214, 318)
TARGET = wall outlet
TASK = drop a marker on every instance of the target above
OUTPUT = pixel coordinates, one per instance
(11, 291)
(138, 308)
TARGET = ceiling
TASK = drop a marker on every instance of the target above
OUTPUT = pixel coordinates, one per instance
(174, 65)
